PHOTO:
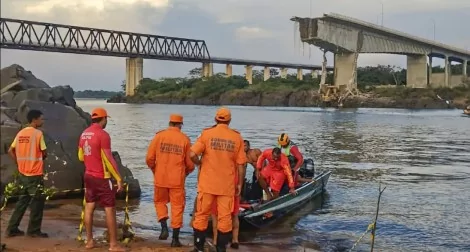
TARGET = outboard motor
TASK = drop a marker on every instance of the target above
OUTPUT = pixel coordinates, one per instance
(252, 191)
(307, 170)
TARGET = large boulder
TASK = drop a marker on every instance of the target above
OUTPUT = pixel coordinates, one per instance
(64, 121)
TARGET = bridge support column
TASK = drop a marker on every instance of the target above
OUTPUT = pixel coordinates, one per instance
(249, 74)
(300, 75)
(344, 67)
(267, 74)
(207, 69)
(283, 73)
(228, 70)
(430, 71)
(447, 71)
(464, 69)
(134, 74)
(416, 71)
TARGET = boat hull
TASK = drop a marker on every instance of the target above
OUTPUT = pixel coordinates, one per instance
(266, 214)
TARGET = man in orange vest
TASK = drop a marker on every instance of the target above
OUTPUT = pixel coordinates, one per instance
(29, 151)
(222, 156)
(94, 149)
(168, 158)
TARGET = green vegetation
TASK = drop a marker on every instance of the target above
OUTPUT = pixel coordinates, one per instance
(193, 86)
(196, 87)
(96, 94)
(401, 92)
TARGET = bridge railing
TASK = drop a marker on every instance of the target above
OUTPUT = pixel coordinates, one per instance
(39, 36)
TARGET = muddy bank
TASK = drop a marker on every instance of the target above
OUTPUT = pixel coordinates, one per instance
(418, 99)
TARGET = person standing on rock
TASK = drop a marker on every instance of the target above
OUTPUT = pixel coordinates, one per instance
(222, 156)
(168, 158)
(29, 151)
(95, 151)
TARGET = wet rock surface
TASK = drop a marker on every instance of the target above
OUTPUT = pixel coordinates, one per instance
(64, 121)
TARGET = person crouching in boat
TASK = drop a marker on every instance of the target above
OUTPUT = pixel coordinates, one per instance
(467, 110)
(274, 173)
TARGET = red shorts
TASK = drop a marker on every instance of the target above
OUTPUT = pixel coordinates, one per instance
(275, 178)
(236, 206)
(99, 190)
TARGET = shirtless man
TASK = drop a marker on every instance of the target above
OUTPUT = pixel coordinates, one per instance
(252, 155)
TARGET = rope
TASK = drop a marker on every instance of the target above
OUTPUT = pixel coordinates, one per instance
(12, 189)
(127, 230)
(369, 229)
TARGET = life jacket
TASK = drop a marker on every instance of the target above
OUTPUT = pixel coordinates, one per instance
(28, 152)
(286, 151)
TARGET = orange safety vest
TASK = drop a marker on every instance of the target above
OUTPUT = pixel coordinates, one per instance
(28, 152)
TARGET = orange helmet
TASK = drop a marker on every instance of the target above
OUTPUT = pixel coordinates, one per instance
(283, 139)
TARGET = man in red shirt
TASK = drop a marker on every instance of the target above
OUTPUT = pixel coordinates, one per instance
(274, 173)
(95, 151)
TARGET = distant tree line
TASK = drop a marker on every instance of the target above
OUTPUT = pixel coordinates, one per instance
(97, 94)
(196, 86)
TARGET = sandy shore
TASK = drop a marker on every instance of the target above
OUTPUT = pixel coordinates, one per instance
(61, 221)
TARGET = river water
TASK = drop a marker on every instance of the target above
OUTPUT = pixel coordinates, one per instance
(421, 156)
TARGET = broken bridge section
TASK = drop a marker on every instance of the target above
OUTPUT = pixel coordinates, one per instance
(347, 37)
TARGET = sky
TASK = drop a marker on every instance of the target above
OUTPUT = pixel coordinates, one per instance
(248, 29)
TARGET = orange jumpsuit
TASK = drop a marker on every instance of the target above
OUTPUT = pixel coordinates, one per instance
(222, 150)
(168, 157)
(276, 171)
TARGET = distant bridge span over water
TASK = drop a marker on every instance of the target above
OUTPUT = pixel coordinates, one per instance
(49, 37)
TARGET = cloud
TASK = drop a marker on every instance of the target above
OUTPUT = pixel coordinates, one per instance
(82, 71)
(247, 33)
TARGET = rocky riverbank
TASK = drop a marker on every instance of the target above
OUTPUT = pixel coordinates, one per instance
(378, 98)
(63, 124)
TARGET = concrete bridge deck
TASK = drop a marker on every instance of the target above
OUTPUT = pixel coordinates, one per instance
(347, 37)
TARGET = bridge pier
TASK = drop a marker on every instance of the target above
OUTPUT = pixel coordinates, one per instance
(228, 70)
(283, 73)
(134, 74)
(344, 67)
(207, 69)
(464, 69)
(447, 71)
(430, 71)
(267, 73)
(300, 75)
(416, 71)
(249, 74)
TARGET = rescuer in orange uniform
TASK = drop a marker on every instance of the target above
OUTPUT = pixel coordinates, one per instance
(29, 151)
(251, 158)
(223, 156)
(94, 149)
(274, 173)
(168, 158)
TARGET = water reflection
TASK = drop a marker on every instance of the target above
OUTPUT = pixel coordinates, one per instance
(422, 156)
